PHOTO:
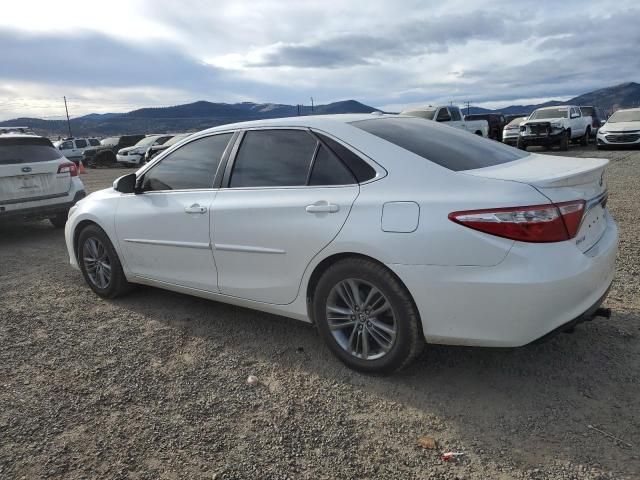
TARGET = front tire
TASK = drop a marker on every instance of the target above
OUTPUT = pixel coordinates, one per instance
(99, 263)
(521, 145)
(564, 141)
(367, 317)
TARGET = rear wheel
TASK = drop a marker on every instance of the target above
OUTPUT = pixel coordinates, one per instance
(100, 264)
(60, 220)
(367, 317)
(584, 140)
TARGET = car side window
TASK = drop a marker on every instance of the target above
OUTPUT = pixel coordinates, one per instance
(81, 143)
(192, 166)
(94, 142)
(356, 165)
(273, 158)
(329, 170)
(443, 115)
(455, 114)
(66, 145)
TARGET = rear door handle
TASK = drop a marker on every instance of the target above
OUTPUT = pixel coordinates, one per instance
(322, 208)
(195, 208)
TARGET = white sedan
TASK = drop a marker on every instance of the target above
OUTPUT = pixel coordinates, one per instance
(622, 129)
(385, 231)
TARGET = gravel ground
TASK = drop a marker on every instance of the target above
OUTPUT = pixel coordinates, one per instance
(153, 385)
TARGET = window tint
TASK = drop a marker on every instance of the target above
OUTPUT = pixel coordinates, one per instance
(27, 150)
(273, 158)
(449, 147)
(66, 145)
(455, 114)
(81, 143)
(94, 142)
(360, 169)
(329, 170)
(193, 165)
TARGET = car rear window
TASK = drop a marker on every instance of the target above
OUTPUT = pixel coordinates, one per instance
(447, 146)
(27, 150)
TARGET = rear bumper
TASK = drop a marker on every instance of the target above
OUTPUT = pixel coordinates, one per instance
(25, 210)
(535, 290)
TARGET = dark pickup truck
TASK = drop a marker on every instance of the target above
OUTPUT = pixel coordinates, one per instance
(496, 123)
(105, 154)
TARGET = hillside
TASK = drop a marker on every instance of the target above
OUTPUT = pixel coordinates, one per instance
(188, 117)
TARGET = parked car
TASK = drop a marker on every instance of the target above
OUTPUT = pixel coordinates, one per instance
(73, 148)
(511, 116)
(496, 122)
(154, 150)
(622, 129)
(105, 154)
(551, 126)
(511, 131)
(450, 115)
(36, 180)
(597, 118)
(134, 156)
(383, 231)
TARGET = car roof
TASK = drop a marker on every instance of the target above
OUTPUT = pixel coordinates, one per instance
(302, 121)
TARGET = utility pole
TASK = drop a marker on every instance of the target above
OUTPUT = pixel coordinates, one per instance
(312, 105)
(467, 102)
(298, 105)
(68, 121)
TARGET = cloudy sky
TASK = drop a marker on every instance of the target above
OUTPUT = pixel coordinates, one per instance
(119, 55)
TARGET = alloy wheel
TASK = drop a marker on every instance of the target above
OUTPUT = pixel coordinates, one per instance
(96, 262)
(361, 319)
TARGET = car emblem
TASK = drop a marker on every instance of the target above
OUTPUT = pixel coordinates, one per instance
(602, 179)
(26, 169)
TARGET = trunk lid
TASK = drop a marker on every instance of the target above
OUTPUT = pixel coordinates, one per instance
(562, 179)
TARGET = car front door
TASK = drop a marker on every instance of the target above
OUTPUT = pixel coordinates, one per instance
(285, 196)
(163, 231)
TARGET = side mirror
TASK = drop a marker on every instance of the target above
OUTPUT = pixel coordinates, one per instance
(126, 184)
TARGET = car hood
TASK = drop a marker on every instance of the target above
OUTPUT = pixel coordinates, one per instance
(621, 126)
(128, 149)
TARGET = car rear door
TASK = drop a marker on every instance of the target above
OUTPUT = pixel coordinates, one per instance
(285, 197)
(29, 170)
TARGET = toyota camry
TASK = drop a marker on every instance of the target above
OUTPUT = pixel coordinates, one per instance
(388, 233)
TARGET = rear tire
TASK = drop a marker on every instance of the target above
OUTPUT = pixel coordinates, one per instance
(564, 141)
(99, 263)
(358, 302)
(584, 140)
(60, 220)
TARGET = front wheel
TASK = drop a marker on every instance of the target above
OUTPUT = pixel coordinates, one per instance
(564, 141)
(100, 264)
(367, 317)
(521, 145)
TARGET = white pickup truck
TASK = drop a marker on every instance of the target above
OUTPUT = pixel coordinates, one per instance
(449, 115)
(558, 125)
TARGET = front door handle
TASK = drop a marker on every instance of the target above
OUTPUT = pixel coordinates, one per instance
(322, 208)
(195, 208)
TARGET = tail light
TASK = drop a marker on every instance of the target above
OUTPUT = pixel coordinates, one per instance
(69, 167)
(536, 223)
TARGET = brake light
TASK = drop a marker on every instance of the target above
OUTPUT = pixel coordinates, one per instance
(69, 167)
(535, 223)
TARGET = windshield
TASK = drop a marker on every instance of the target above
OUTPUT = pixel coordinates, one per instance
(428, 114)
(147, 141)
(562, 112)
(26, 150)
(625, 116)
(451, 148)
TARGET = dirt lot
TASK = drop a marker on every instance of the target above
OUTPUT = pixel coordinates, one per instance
(153, 385)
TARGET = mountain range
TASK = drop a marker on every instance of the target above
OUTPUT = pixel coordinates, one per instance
(202, 114)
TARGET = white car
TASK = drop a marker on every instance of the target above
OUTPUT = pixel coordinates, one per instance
(452, 116)
(549, 126)
(621, 129)
(73, 148)
(36, 180)
(511, 131)
(133, 156)
(383, 231)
